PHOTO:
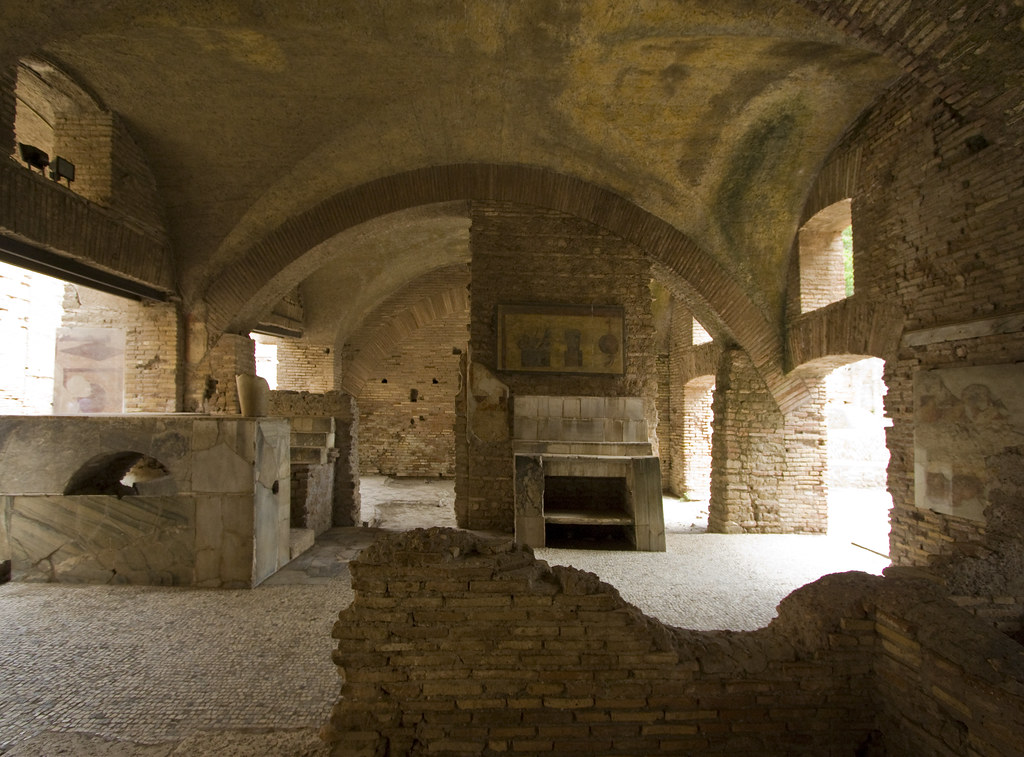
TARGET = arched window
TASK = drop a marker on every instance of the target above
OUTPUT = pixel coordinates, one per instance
(826, 257)
(55, 118)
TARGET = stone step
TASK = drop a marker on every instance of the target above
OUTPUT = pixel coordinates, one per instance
(300, 540)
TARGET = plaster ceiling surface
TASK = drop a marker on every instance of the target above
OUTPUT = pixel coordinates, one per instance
(713, 115)
(380, 257)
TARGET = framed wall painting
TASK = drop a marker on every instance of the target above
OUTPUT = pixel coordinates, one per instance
(582, 339)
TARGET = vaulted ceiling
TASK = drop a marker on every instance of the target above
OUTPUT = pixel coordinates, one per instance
(711, 115)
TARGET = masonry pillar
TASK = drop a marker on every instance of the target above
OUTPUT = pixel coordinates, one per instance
(347, 505)
(768, 469)
(211, 367)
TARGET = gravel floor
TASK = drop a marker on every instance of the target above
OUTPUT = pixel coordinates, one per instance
(116, 670)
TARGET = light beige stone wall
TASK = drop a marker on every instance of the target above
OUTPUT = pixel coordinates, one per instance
(220, 517)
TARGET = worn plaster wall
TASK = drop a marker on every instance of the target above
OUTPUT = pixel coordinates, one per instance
(523, 254)
(458, 645)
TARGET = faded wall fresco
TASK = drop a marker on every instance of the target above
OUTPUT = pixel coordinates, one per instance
(89, 375)
(962, 416)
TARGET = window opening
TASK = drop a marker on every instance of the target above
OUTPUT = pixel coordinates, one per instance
(826, 257)
(266, 358)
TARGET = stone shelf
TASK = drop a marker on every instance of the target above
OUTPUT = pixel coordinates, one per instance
(587, 518)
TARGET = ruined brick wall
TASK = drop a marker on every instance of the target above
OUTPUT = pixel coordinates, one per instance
(458, 645)
(529, 255)
(210, 369)
(152, 344)
(768, 469)
(936, 232)
(407, 425)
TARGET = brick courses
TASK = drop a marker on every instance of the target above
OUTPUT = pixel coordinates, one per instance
(459, 645)
(523, 254)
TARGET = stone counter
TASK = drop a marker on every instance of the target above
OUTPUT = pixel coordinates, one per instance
(145, 499)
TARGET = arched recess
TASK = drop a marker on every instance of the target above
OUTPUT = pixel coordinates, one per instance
(402, 367)
(828, 205)
(238, 295)
(364, 351)
(121, 473)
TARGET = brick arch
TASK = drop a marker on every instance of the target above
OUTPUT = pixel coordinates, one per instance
(238, 294)
(842, 332)
(400, 317)
(837, 181)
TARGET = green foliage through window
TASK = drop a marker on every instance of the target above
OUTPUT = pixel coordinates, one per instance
(847, 237)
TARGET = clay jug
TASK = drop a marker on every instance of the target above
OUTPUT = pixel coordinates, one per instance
(253, 395)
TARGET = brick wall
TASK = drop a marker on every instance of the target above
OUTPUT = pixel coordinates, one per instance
(458, 645)
(937, 234)
(304, 367)
(211, 368)
(111, 216)
(403, 436)
(768, 469)
(528, 255)
(86, 140)
(152, 347)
